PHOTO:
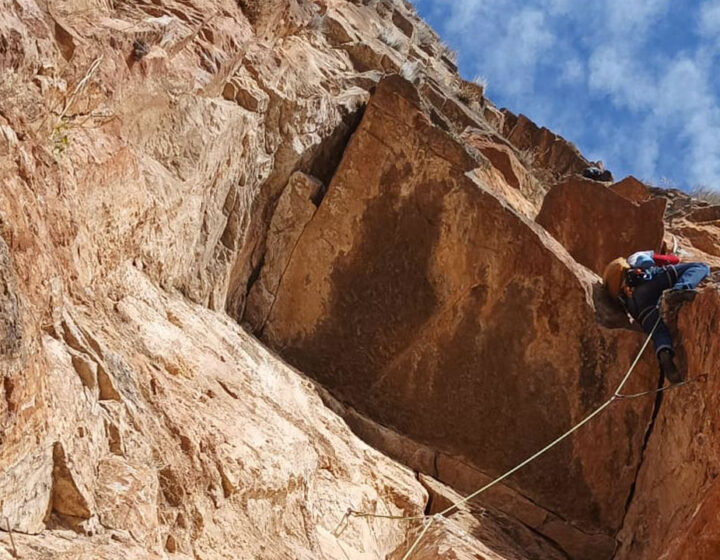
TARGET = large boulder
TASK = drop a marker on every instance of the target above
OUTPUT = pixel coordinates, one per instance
(506, 175)
(597, 225)
(430, 305)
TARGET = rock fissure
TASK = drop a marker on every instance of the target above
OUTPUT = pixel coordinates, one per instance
(282, 275)
(545, 538)
(253, 278)
(527, 498)
(646, 440)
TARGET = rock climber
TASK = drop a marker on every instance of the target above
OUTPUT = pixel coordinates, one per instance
(639, 283)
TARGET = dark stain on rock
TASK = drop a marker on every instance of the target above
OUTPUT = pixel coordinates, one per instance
(381, 292)
(592, 372)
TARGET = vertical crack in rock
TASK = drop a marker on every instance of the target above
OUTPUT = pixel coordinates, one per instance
(282, 275)
(322, 163)
(328, 154)
(497, 530)
(11, 330)
(254, 275)
(646, 440)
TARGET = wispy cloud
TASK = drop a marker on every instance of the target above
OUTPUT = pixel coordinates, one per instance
(632, 82)
(709, 19)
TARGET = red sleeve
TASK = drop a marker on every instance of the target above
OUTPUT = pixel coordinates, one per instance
(664, 260)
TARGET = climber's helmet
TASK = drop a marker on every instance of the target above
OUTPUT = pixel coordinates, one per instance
(614, 275)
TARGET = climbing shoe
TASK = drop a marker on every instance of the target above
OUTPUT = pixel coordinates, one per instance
(668, 367)
(677, 297)
(672, 301)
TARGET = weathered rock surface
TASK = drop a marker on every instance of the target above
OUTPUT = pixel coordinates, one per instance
(407, 281)
(552, 155)
(693, 227)
(597, 225)
(503, 535)
(674, 513)
(135, 468)
(632, 189)
(165, 163)
(147, 150)
(506, 175)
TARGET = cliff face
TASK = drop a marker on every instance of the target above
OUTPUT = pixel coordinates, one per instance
(178, 176)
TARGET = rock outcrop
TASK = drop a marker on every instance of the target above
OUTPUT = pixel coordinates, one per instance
(408, 280)
(596, 225)
(550, 154)
(176, 175)
(167, 429)
(144, 148)
(632, 189)
(674, 513)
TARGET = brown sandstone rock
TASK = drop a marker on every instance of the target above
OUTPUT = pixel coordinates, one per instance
(505, 171)
(135, 422)
(178, 462)
(296, 207)
(674, 511)
(418, 276)
(632, 189)
(596, 225)
(501, 534)
(706, 214)
(692, 227)
(546, 150)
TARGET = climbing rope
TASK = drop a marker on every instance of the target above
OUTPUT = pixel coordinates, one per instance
(617, 395)
(699, 379)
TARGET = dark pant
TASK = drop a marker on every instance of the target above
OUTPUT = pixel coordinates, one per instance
(643, 304)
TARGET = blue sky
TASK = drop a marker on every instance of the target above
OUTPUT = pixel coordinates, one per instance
(635, 83)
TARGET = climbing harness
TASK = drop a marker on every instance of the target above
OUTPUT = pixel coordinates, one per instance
(617, 395)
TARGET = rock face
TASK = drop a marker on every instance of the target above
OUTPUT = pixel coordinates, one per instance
(506, 176)
(674, 513)
(632, 189)
(315, 171)
(120, 459)
(147, 151)
(550, 154)
(406, 282)
(596, 225)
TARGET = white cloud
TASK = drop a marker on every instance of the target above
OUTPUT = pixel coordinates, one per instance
(614, 70)
(646, 150)
(709, 24)
(528, 35)
(510, 38)
(637, 16)
(573, 71)
(560, 7)
(556, 59)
